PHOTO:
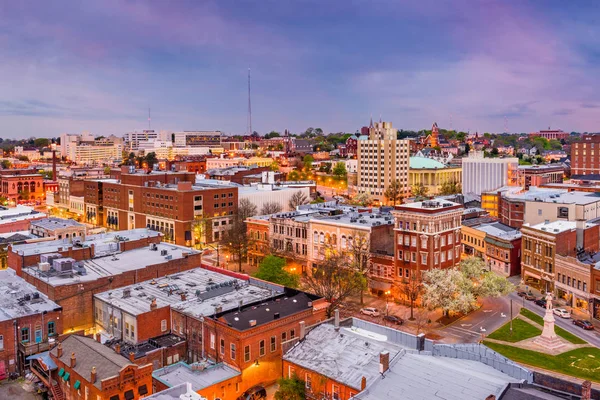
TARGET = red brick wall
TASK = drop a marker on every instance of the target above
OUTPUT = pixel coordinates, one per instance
(320, 383)
(149, 323)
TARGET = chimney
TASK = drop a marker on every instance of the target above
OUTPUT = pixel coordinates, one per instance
(59, 350)
(586, 390)
(118, 348)
(363, 383)
(491, 397)
(336, 319)
(302, 329)
(54, 165)
(580, 229)
(153, 305)
(93, 375)
(73, 360)
(98, 338)
(131, 356)
(384, 361)
(183, 297)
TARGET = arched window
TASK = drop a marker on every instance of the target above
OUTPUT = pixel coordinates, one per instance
(316, 237)
(32, 186)
(327, 238)
(322, 238)
(334, 239)
(343, 241)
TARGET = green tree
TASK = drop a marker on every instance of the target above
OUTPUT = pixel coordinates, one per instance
(394, 192)
(361, 199)
(106, 170)
(420, 191)
(307, 162)
(272, 134)
(555, 144)
(151, 159)
(272, 269)
(6, 164)
(325, 167)
(340, 170)
(293, 176)
(291, 389)
(358, 249)
(450, 187)
(494, 152)
(274, 166)
(41, 142)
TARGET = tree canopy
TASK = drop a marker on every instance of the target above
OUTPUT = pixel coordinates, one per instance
(394, 192)
(340, 170)
(272, 269)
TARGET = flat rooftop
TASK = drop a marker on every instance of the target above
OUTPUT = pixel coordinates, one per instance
(438, 205)
(112, 264)
(558, 226)
(499, 230)
(355, 219)
(181, 372)
(18, 213)
(560, 196)
(102, 242)
(197, 291)
(56, 223)
(19, 298)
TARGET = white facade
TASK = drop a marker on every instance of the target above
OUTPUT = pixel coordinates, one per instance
(261, 194)
(133, 139)
(85, 149)
(481, 174)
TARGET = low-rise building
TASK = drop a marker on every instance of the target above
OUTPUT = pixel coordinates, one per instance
(433, 175)
(58, 228)
(29, 322)
(574, 279)
(15, 219)
(20, 187)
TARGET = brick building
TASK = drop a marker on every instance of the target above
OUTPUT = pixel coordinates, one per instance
(575, 279)
(542, 242)
(427, 235)
(258, 230)
(85, 370)
(585, 155)
(595, 290)
(19, 188)
(70, 273)
(57, 228)
(29, 322)
(247, 335)
(537, 175)
(169, 202)
(15, 219)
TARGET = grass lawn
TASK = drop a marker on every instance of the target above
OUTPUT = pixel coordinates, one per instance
(582, 363)
(559, 331)
(521, 331)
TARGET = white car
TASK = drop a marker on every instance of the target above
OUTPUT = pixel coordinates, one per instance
(561, 312)
(373, 312)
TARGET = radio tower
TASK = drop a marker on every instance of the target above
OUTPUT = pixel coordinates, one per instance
(505, 124)
(149, 119)
(249, 122)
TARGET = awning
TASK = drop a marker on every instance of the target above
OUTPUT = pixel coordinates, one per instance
(66, 376)
(45, 360)
(61, 372)
(380, 285)
(77, 385)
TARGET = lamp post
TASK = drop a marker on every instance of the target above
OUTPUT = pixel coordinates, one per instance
(387, 300)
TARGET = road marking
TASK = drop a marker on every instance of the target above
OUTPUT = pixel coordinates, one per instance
(488, 310)
(463, 325)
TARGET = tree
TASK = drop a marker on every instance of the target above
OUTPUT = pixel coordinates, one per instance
(272, 134)
(272, 269)
(291, 389)
(6, 164)
(334, 281)
(412, 288)
(450, 187)
(236, 241)
(23, 158)
(41, 142)
(24, 195)
(325, 167)
(274, 166)
(246, 209)
(107, 170)
(340, 170)
(151, 159)
(420, 191)
(494, 152)
(307, 162)
(359, 247)
(467, 148)
(3, 200)
(270, 207)
(394, 192)
(361, 199)
(293, 176)
(458, 289)
(297, 199)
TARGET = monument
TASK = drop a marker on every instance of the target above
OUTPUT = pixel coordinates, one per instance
(548, 339)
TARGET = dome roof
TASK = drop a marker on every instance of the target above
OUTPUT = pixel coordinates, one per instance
(425, 163)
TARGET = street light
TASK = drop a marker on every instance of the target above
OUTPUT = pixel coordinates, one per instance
(387, 299)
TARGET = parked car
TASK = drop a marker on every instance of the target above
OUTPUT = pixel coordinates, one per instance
(529, 297)
(561, 312)
(541, 302)
(587, 325)
(521, 294)
(393, 319)
(254, 393)
(373, 312)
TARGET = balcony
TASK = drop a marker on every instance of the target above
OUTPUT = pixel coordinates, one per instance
(28, 348)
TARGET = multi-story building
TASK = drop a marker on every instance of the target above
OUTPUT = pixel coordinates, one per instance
(542, 242)
(133, 139)
(481, 174)
(19, 218)
(169, 202)
(537, 175)
(595, 290)
(585, 155)
(574, 279)
(57, 228)
(85, 369)
(382, 159)
(22, 187)
(561, 205)
(85, 149)
(258, 231)
(29, 323)
(197, 139)
(69, 272)
(550, 134)
(427, 235)
(432, 174)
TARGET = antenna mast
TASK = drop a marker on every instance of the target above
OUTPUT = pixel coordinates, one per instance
(149, 119)
(249, 122)
(505, 124)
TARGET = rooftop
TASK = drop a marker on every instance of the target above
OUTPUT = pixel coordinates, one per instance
(499, 230)
(200, 375)
(19, 298)
(435, 205)
(560, 196)
(182, 391)
(102, 242)
(425, 163)
(204, 291)
(558, 226)
(56, 223)
(89, 353)
(18, 213)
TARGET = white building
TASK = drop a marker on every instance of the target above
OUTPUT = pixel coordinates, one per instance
(133, 139)
(85, 149)
(481, 174)
(31, 154)
(382, 159)
(267, 192)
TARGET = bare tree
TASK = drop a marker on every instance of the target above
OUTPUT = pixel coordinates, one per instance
(359, 247)
(422, 318)
(334, 281)
(412, 288)
(297, 199)
(270, 207)
(246, 209)
(236, 241)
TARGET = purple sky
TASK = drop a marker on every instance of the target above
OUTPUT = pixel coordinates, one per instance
(98, 66)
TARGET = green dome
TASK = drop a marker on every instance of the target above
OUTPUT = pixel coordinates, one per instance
(425, 163)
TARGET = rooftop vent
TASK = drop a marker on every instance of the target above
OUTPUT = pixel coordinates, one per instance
(252, 322)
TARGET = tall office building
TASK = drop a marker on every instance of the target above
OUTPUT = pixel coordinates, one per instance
(481, 174)
(382, 158)
(584, 155)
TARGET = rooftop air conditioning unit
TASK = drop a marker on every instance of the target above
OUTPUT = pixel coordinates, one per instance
(44, 266)
(252, 322)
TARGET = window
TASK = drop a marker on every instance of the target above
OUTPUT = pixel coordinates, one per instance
(222, 346)
(212, 341)
(25, 335)
(406, 240)
(414, 256)
(232, 351)
(423, 258)
(423, 243)
(443, 240)
(246, 354)
(126, 329)
(1, 342)
(308, 382)
(400, 255)
(562, 212)
(292, 334)
(163, 325)
(132, 328)
(273, 343)
(261, 348)
(443, 256)
(51, 328)
(335, 392)
(283, 337)
(413, 241)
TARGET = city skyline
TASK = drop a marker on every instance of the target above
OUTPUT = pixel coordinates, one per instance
(99, 67)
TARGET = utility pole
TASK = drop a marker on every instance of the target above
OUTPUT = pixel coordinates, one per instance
(511, 316)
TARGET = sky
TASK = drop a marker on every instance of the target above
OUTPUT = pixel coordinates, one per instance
(476, 65)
